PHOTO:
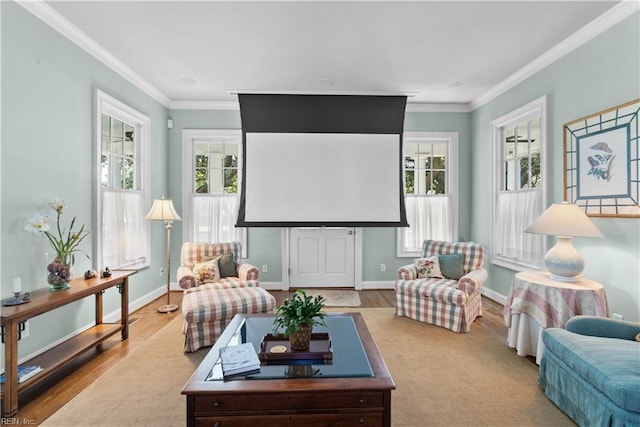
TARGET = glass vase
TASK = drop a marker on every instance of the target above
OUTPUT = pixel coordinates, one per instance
(59, 274)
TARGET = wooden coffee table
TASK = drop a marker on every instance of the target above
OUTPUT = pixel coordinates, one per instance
(353, 390)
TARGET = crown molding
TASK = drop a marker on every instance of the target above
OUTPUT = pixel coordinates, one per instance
(234, 105)
(437, 108)
(56, 21)
(203, 105)
(599, 25)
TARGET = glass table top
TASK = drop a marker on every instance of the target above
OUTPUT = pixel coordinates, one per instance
(349, 357)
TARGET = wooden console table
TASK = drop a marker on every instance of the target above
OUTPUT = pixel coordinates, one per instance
(43, 301)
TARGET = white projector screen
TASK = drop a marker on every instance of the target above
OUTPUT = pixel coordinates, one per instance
(322, 178)
(321, 160)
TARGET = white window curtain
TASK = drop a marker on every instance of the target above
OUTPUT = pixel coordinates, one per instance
(429, 217)
(516, 210)
(213, 219)
(124, 229)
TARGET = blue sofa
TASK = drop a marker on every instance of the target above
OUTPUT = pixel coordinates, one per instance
(591, 371)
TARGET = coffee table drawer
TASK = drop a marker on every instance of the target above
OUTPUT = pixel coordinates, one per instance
(307, 420)
(285, 401)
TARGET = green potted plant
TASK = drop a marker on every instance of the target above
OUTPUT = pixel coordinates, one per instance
(297, 315)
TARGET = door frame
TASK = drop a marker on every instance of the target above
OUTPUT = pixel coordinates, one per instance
(357, 258)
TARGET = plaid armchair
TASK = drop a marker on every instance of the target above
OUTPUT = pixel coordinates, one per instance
(194, 253)
(452, 304)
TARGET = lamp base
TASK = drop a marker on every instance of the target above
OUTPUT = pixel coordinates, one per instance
(564, 278)
(563, 261)
(167, 308)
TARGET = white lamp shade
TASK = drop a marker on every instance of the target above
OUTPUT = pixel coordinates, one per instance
(564, 219)
(163, 210)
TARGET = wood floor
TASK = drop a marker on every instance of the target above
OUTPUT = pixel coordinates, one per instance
(40, 402)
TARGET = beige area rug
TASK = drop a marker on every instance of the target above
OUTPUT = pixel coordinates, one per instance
(442, 379)
(336, 298)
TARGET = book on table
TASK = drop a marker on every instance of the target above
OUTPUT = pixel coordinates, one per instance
(240, 359)
(24, 373)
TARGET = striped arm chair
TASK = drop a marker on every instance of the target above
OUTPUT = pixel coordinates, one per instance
(193, 253)
(451, 304)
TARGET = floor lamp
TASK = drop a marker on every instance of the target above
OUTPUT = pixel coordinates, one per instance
(163, 210)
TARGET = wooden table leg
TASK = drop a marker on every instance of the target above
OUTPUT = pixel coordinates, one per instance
(10, 398)
(124, 307)
(99, 308)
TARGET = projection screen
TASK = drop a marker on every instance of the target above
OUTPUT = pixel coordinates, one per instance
(313, 167)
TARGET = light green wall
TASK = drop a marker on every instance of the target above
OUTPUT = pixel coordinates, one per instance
(265, 245)
(48, 92)
(601, 74)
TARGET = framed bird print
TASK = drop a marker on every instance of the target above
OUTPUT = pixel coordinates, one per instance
(602, 162)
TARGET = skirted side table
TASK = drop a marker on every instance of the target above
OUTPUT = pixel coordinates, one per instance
(537, 302)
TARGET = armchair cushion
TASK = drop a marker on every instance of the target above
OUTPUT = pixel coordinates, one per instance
(428, 267)
(227, 266)
(206, 272)
(451, 266)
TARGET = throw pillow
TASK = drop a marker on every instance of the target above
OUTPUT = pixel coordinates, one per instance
(207, 272)
(428, 267)
(452, 266)
(227, 266)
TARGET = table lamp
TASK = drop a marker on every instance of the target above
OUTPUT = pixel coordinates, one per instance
(163, 210)
(565, 221)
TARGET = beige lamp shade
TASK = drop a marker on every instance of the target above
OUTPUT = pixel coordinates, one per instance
(163, 210)
(564, 219)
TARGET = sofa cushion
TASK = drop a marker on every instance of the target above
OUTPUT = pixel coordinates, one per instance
(611, 365)
(452, 266)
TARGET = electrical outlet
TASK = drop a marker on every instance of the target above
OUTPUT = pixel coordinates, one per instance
(383, 267)
(265, 268)
(617, 316)
(162, 272)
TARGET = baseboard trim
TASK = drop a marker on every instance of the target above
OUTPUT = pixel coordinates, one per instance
(274, 286)
(376, 285)
(493, 295)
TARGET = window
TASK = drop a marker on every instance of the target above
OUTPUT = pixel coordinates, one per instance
(430, 187)
(518, 185)
(122, 147)
(211, 174)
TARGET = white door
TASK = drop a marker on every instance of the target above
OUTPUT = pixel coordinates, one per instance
(322, 257)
